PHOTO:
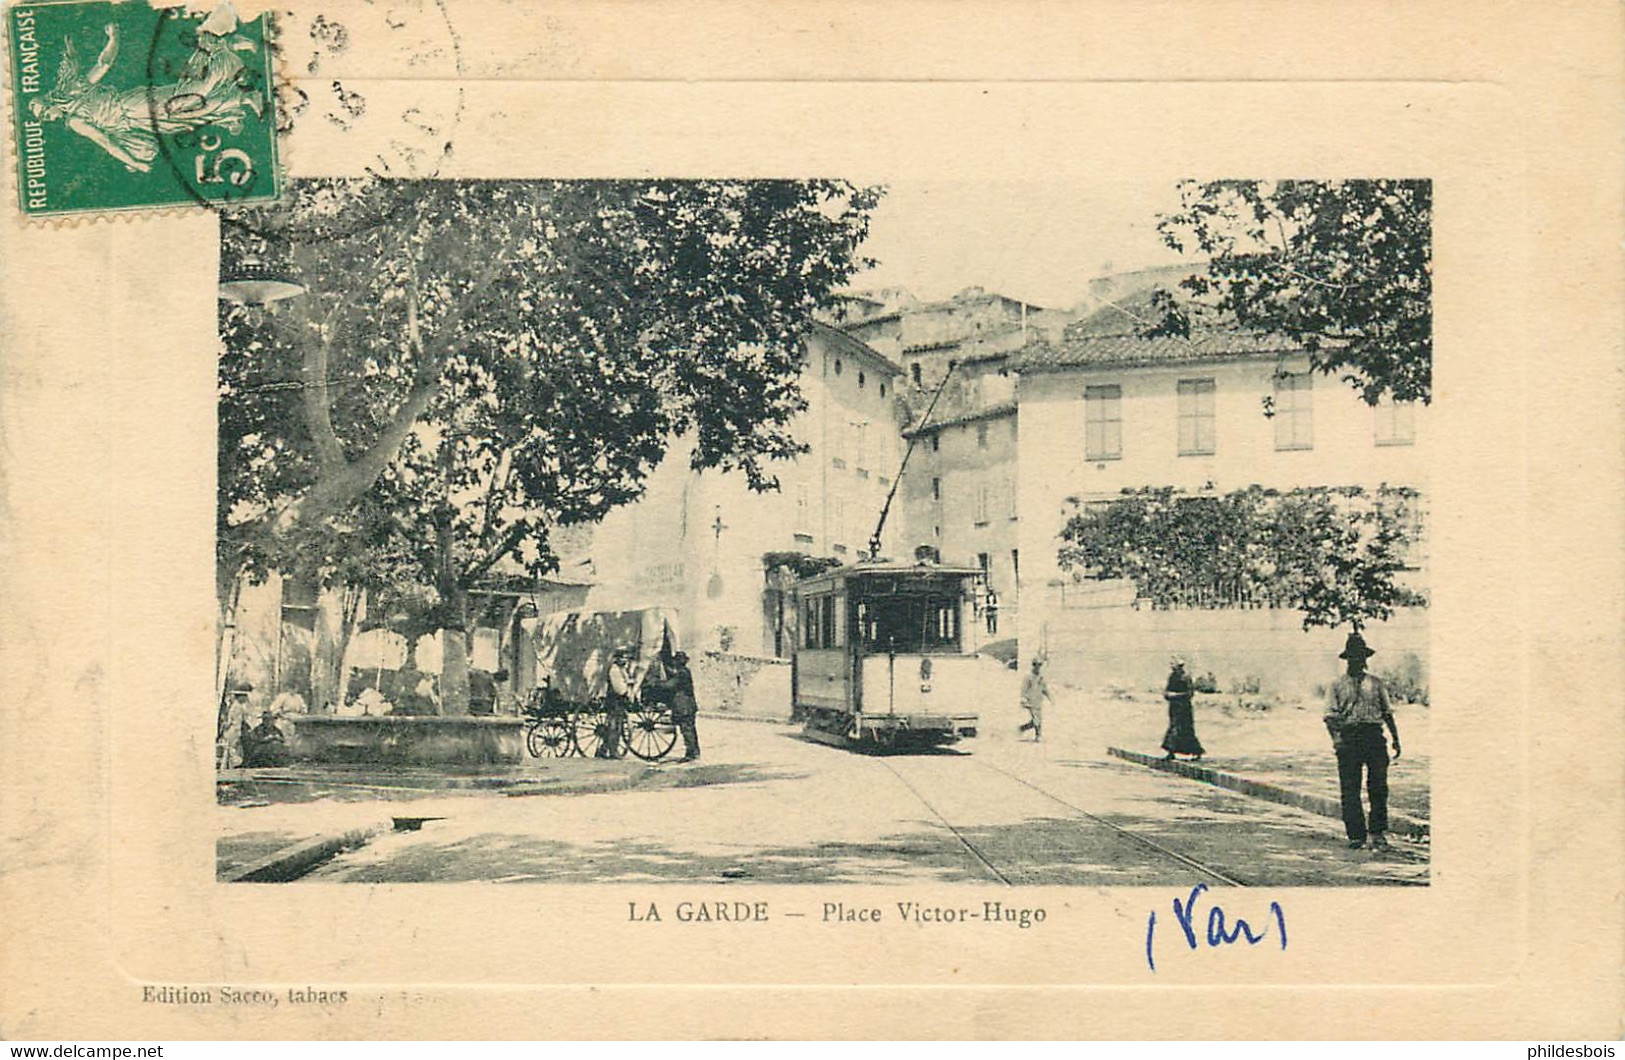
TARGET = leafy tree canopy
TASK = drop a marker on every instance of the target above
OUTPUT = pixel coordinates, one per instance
(476, 363)
(1342, 267)
(499, 357)
(1337, 554)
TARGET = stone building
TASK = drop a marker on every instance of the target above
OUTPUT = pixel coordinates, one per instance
(695, 542)
(961, 496)
(1107, 409)
(959, 493)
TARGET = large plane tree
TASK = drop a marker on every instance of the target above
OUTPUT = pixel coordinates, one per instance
(475, 363)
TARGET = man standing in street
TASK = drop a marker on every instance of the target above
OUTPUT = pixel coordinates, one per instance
(1356, 710)
(1034, 691)
(684, 708)
(622, 686)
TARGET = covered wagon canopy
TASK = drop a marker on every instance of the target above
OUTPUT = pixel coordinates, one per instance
(574, 648)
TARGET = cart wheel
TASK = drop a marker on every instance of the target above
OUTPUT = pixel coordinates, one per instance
(548, 738)
(651, 732)
(588, 728)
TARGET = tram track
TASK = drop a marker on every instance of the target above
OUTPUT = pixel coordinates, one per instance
(1188, 862)
(957, 834)
(989, 860)
(999, 823)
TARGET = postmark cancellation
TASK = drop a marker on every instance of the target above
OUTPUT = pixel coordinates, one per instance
(119, 106)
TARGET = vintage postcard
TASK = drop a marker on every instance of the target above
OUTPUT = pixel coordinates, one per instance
(973, 521)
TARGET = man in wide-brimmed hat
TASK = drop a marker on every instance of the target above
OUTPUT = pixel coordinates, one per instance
(684, 707)
(1356, 711)
(617, 698)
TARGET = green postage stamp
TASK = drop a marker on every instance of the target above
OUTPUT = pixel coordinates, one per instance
(122, 106)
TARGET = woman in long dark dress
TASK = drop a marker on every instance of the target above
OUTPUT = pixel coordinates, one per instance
(1181, 735)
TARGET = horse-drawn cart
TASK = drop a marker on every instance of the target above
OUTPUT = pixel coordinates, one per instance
(567, 709)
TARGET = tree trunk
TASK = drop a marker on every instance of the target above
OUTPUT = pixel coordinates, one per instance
(335, 624)
(350, 617)
(454, 651)
(228, 588)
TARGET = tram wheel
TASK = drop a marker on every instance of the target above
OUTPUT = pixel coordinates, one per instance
(651, 732)
(548, 738)
(588, 731)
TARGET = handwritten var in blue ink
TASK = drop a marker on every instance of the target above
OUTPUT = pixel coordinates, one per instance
(1221, 930)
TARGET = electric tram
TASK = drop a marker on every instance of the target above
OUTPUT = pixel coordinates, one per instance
(886, 655)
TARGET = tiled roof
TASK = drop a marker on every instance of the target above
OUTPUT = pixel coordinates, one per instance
(939, 344)
(1110, 337)
(878, 318)
(984, 412)
(1122, 314)
(1133, 351)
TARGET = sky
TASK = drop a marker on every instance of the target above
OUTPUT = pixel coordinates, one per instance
(1037, 241)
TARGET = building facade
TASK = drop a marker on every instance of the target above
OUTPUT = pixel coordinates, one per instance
(959, 494)
(923, 337)
(1108, 409)
(696, 541)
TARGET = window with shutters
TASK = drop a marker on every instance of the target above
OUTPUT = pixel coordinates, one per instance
(1395, 421)
(1103, 422)
(1294, 411)
(1197, 427)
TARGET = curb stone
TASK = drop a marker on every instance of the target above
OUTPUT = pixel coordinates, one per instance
(1324, 805)
(294, 861)
(546, 787)
(427, 783)
(723, 716)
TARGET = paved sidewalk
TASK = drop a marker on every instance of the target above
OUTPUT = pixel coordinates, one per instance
(279, 856)
(278, 823)
(1281, 781)
(1315, 772)
(1282, 754)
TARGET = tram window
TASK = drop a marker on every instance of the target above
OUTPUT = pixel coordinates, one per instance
(868, 628)
(821, 622)
(910, 624)
(811, 623)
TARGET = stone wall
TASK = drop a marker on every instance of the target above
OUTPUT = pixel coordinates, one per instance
(427, 741)
(1128, 647)
(748, 685)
